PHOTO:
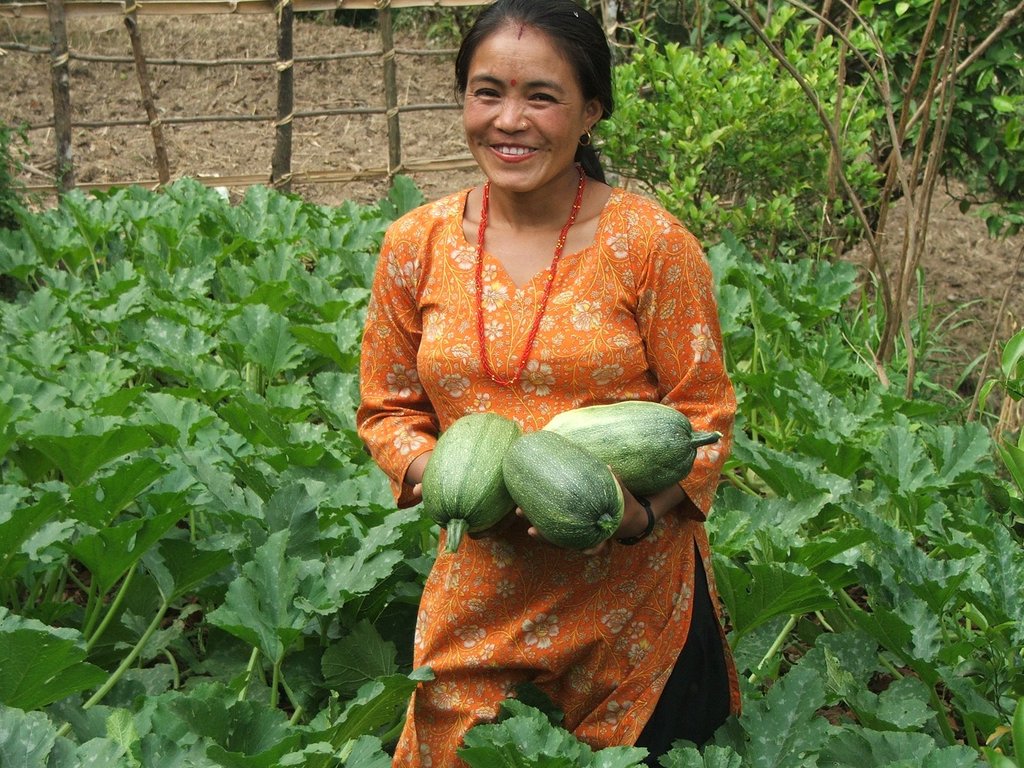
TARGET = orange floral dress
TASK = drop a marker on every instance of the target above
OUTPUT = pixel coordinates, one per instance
(631, 317)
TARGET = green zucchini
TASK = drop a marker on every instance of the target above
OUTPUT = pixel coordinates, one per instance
(648, 445)
(566, 493)
(463, 487)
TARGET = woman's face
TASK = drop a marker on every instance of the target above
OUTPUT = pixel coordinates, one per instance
(524, 111)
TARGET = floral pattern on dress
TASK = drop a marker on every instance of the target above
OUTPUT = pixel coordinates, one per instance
(631, 317)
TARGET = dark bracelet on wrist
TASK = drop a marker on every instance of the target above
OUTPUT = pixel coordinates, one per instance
(651, 520)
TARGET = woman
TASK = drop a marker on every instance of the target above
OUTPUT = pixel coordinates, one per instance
(542, 290)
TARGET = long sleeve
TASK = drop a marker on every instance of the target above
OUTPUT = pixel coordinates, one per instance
(678, 320)
(395, 418)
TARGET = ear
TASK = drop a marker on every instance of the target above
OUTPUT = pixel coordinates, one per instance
(592, 112)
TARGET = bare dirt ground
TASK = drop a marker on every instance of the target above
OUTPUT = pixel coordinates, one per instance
(966, 273)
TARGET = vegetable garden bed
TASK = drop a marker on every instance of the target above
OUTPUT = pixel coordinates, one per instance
(202, 567)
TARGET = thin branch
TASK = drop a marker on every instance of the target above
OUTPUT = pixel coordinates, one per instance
(1004, 24)
(972, 412)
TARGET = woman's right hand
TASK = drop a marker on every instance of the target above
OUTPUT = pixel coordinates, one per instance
(414, 474)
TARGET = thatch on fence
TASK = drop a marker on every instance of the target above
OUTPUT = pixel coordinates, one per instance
(281, 175)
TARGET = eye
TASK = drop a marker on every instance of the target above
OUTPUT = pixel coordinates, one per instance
(543, 97)
(485, 93)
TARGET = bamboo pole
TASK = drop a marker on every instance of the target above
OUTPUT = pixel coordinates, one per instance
(60, 82)
(312, 58)
(163, 168)
(320, 176)
(387, 38)
(259, 118)
(281, 163)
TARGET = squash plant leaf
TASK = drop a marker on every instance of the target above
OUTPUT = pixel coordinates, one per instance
(102, 500)
(365, 752)
(850, 748)
(359, 657)
(527, 740)
(40, 665)
(352, 573)
(338, 397)
(379, 703)
(179, 566)
(902, 462)
(893, 632)
(26, 738)
(265, 339)
(964, 451)
(784, 729)
(789, 475)
(260, 605)
(758, 592)
(19, 522)
(78, 456)
(713, 756)
(1003, 569)
(110, 552)
(244, 733)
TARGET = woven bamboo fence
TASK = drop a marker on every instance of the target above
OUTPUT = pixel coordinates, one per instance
(281, 176)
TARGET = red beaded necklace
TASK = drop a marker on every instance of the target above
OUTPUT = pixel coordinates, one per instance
(559, 247)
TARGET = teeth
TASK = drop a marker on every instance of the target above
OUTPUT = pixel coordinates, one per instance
(514, 150)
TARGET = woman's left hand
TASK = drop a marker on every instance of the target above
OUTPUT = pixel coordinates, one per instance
(634, 522)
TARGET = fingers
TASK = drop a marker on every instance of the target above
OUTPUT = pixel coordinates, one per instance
(495, 529)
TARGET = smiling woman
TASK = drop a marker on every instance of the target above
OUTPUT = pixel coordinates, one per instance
(539, 291)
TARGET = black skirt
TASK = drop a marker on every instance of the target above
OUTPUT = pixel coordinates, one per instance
(696, 698)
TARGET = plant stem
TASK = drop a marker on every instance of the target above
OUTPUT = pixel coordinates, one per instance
(275, 683)
(112, 611)
(124, 666)
(776, 645)
(248, 672)
(940, 716)
(174, 665)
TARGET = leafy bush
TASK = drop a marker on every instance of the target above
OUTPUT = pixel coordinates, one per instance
(728, 140)
(10, 164)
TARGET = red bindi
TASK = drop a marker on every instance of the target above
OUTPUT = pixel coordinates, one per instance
(513, 82)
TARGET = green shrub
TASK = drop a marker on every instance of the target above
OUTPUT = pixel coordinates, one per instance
(727, 139)
(10, 165)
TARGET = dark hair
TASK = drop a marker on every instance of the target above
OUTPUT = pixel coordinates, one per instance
(582, 39)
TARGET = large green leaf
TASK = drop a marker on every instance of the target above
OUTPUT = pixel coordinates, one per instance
(527, 739)
(856, 748)
(265, 339)
(377, 704)
(713, 756)
(19, 522)
(261, 605)
(78, 456)
(759, 592)
(40, 665)
(102, 500)
(352, 573)
(26, 738)
(244, 734)
(110, 552)
(784, 730)
(359, 657)
(179, 566)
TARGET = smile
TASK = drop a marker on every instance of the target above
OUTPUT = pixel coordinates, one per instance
(504, 149)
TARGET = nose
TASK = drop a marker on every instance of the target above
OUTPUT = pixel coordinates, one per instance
(511, 115)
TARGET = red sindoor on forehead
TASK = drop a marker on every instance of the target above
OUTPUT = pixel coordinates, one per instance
(513, 82)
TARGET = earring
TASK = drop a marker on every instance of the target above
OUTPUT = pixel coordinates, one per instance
(586, 138)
